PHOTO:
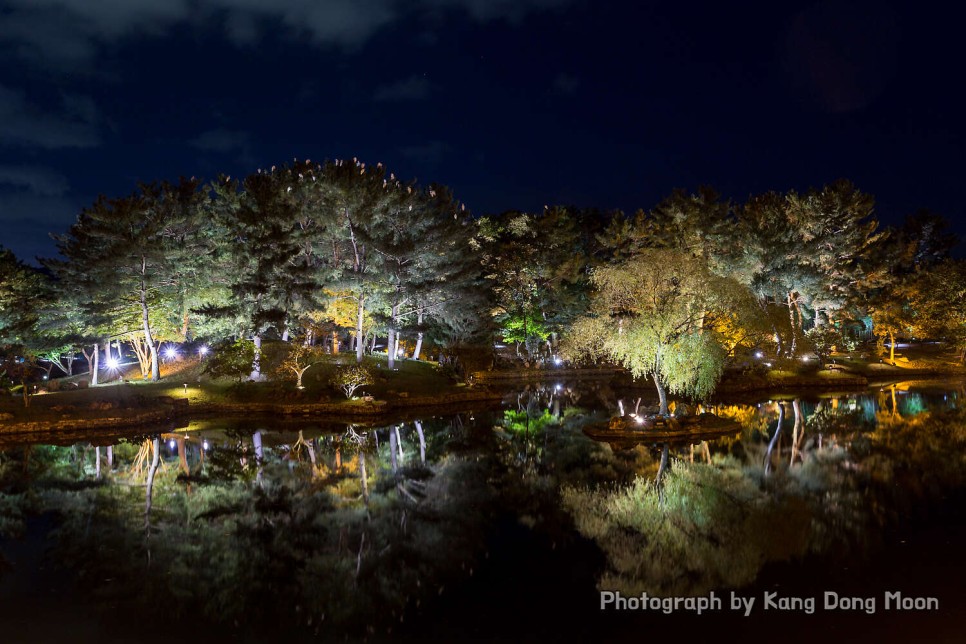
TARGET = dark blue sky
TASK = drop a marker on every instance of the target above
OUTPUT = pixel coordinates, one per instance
(513, 103)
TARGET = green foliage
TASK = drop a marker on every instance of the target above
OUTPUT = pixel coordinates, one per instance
(824, 340)
(714, 528)
(297, 358)
(11, 516)
(230, 359)
(648, 314)
(349, 378)
(521, 329)
(938, 299)
(523, 422)
(536, 265)
(23, 290)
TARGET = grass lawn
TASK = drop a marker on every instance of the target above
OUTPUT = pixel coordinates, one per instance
(184, 379)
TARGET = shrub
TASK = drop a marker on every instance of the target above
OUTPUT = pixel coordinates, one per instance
(230, 359)
(350, 377)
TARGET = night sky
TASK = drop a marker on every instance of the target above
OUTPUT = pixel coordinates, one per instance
(515, 104)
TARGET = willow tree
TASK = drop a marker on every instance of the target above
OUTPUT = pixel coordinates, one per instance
(647, 314)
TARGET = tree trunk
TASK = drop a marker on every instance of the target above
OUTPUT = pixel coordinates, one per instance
(798, 431)
(662, 470)
(392, 449)
(300, 373)
(892, 348)
(419, 345)
(155, 461)
(148, 338)
(183, 456)
(92, 363)
(372, 349)
(419, 335)
(256, 374)
(97, 462)
(335, 343)
(791, 323)
(259, 454)
(285, 335)
(422, 442)
(110, 458)
(310, 445)
(661, 395)
(774, 438)
(359, 319)
(364, 478)
(390, 352)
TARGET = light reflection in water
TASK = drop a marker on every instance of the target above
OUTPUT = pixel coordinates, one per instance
(397, 514)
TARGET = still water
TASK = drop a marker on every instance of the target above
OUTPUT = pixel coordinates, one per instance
(497, 524)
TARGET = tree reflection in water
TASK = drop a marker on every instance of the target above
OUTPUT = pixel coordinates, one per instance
(716, 525)
(353, 535)
(353, 530)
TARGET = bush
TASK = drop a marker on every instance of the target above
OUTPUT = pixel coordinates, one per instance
(230, 359)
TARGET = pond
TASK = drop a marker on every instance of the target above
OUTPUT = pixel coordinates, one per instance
(835, 514)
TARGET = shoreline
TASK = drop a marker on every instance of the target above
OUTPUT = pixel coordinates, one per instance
(374, 412)
(489, 388)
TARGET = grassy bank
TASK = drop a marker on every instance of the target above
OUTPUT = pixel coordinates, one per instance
(184, 389)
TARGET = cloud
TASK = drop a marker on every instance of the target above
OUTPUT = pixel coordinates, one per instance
(70, 33)
(37, 180)
(566, 84)
(414, 88)
(488, 10)
(48, 209)
(23, 123)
